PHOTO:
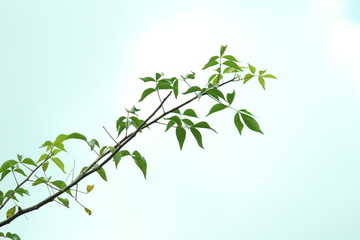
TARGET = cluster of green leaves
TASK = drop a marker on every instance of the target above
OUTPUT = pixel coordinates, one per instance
(225, 69)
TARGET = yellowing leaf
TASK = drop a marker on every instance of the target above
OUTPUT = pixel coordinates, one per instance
(10, 212)
(89, 188)
(88, 211)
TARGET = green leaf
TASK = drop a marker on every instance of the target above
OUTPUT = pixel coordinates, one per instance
(10, 212)
(60, 184)
(60, 138)
(212, 62)
(4, 173)
(230, 97)
(261, 72)
(246, 111)
(239, 125)
(176, 119)
(169, 125)
(217, 79)
(93, 143)
(190, 112)
(176, 88)
(39, 181)
(217, 107)
(251, 123)
(22, 191)
(29, 161)
(136, 122)
(45, 144)
(8, 164)
(222, 50)
(269, 76)
(248, 77)
(203, 125)
(148, 79)
(181, 135)
(216, 93)
(125, 153)
(158, 76)
(76, 136)
(192, 89)
(231, 58)
(188, 122)
(212, 77)
(19, 170)
(2, 234)
(64, 201)
(146, 93)
(232, 64)
(45, 166)
(60, 146)
(197, 135)
(88, 211)
(140, 162)
(252, 69)
(116, 157)
(102, 150)
(59, 163)
(15, 237)
(102, 173)
(164, 85)
(262, 82)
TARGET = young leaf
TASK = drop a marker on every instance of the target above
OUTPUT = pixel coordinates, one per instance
(222, 50)
(262, 82)
(190, 112)
(252, 69)
(216, 93)
(192, 89)
(251, 123)
(181, 135)
(64, 201)
(140, 162)
(230, 97)
(146, 93)
(59, 163)
(212, 77)
(217, 107)
(89, 188)
(88, 211)
(175, 119)
(239, 125)
(102, 173)
(10, 212)
(197, 135)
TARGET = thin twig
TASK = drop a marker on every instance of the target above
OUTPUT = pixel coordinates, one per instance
(109, 134)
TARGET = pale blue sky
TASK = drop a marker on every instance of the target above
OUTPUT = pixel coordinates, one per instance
(70, 66)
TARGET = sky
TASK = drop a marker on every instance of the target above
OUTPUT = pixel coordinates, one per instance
(73, 66)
